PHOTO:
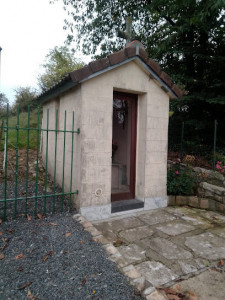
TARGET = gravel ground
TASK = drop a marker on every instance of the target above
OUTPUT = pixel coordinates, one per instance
(55, 258)
(21, 189)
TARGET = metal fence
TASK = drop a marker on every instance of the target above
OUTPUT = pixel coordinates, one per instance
(206, 144)
(25, 186)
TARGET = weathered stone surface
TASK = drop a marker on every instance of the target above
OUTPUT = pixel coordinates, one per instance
(167, 249)
(136, 233)
(139, 283)
(207, 245)
(132, 253)
(193, 202)
(204, 203)
(110, 249)
(131, 272)
(148, 291)
(182, 200)
(126, 223)
(209, 174)
(213, 216)
(86, 224)
(155, 272)
(93, 231)
(219, 231)
(119, 260)
(156, 295)
(159, 216)
(187, 267)
(197, 220)
(175, 228)
(171, 200)
(210, 190)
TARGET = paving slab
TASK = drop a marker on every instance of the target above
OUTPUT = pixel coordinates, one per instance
(198, 221)
(207, 245)
(155, 272)
(175, 228)
(135, 234)
(213, 216)
(156, 217)
(218, 231)
(132, 253)
(126, 223)
(166, 248)
(208, 285)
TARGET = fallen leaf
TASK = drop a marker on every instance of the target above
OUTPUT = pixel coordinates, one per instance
(20, 256)
(28, 218)
(2, 256)
(25, 285)
(173, 297)
(45, 258)
(11, 230)
(0, 233)
(83, 281)
(20, 269)
(82, 242)
(94, 292)
(221, 262)
(118, 243)
(39, 216)
(0, 221)
(170, 291)
(4, 246)
(68, 234)
(53, 224)
(30, 296)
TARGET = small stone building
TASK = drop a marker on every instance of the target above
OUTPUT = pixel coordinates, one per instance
(121, 106)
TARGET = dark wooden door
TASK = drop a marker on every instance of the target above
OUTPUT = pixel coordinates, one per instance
(124, 146)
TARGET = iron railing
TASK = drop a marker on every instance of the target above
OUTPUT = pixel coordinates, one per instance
(25, 195)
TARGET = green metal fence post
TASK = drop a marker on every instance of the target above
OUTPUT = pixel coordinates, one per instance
(6, 159)
(46, 162)
(214, 144)
(27, 171)
(56, 136)
(16, 172)
(71, 170)
(36, 188)
(181, 142)
(64, 146)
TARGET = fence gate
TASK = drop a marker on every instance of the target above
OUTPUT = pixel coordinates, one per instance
(32, 169)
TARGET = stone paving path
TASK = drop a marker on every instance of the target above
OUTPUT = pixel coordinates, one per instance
(168, 245)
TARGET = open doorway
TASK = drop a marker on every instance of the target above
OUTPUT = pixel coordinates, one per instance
(124, 146)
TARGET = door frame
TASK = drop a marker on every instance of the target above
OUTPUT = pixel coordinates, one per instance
(132, 98)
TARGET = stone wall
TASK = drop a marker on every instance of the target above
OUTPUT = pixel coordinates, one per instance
(209, 196)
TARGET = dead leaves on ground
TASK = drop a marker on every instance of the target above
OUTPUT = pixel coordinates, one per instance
(52, 224)
(68, 234)
(83, 281)
(221, 263)
(25, 285)
(177, 294)
(48, 255)
(2, 256)
(30, 296)
(20, 256)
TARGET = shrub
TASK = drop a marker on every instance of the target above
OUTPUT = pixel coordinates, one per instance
(180, 180)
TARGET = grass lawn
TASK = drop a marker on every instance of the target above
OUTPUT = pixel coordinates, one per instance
(23, 133)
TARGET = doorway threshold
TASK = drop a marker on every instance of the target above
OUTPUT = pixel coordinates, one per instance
(124, 205)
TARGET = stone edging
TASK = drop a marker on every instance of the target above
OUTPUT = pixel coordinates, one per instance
(197, 202)
(129, 270)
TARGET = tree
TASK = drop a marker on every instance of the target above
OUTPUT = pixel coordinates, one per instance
(59, 62)
(25, 96)
(185, 36)
(3, 103)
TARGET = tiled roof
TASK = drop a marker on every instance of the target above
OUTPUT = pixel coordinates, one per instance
(133, 50)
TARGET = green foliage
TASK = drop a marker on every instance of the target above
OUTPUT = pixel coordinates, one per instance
(180, 180)
(25, 96)
(185, 37)
(23, 121)
(3, 103)
(59, 62)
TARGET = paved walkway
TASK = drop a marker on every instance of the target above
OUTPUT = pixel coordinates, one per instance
(170, 245)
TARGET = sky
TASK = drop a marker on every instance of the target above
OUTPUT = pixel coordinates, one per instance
(28, 30)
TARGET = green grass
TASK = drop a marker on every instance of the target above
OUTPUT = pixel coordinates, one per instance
(23, 123)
